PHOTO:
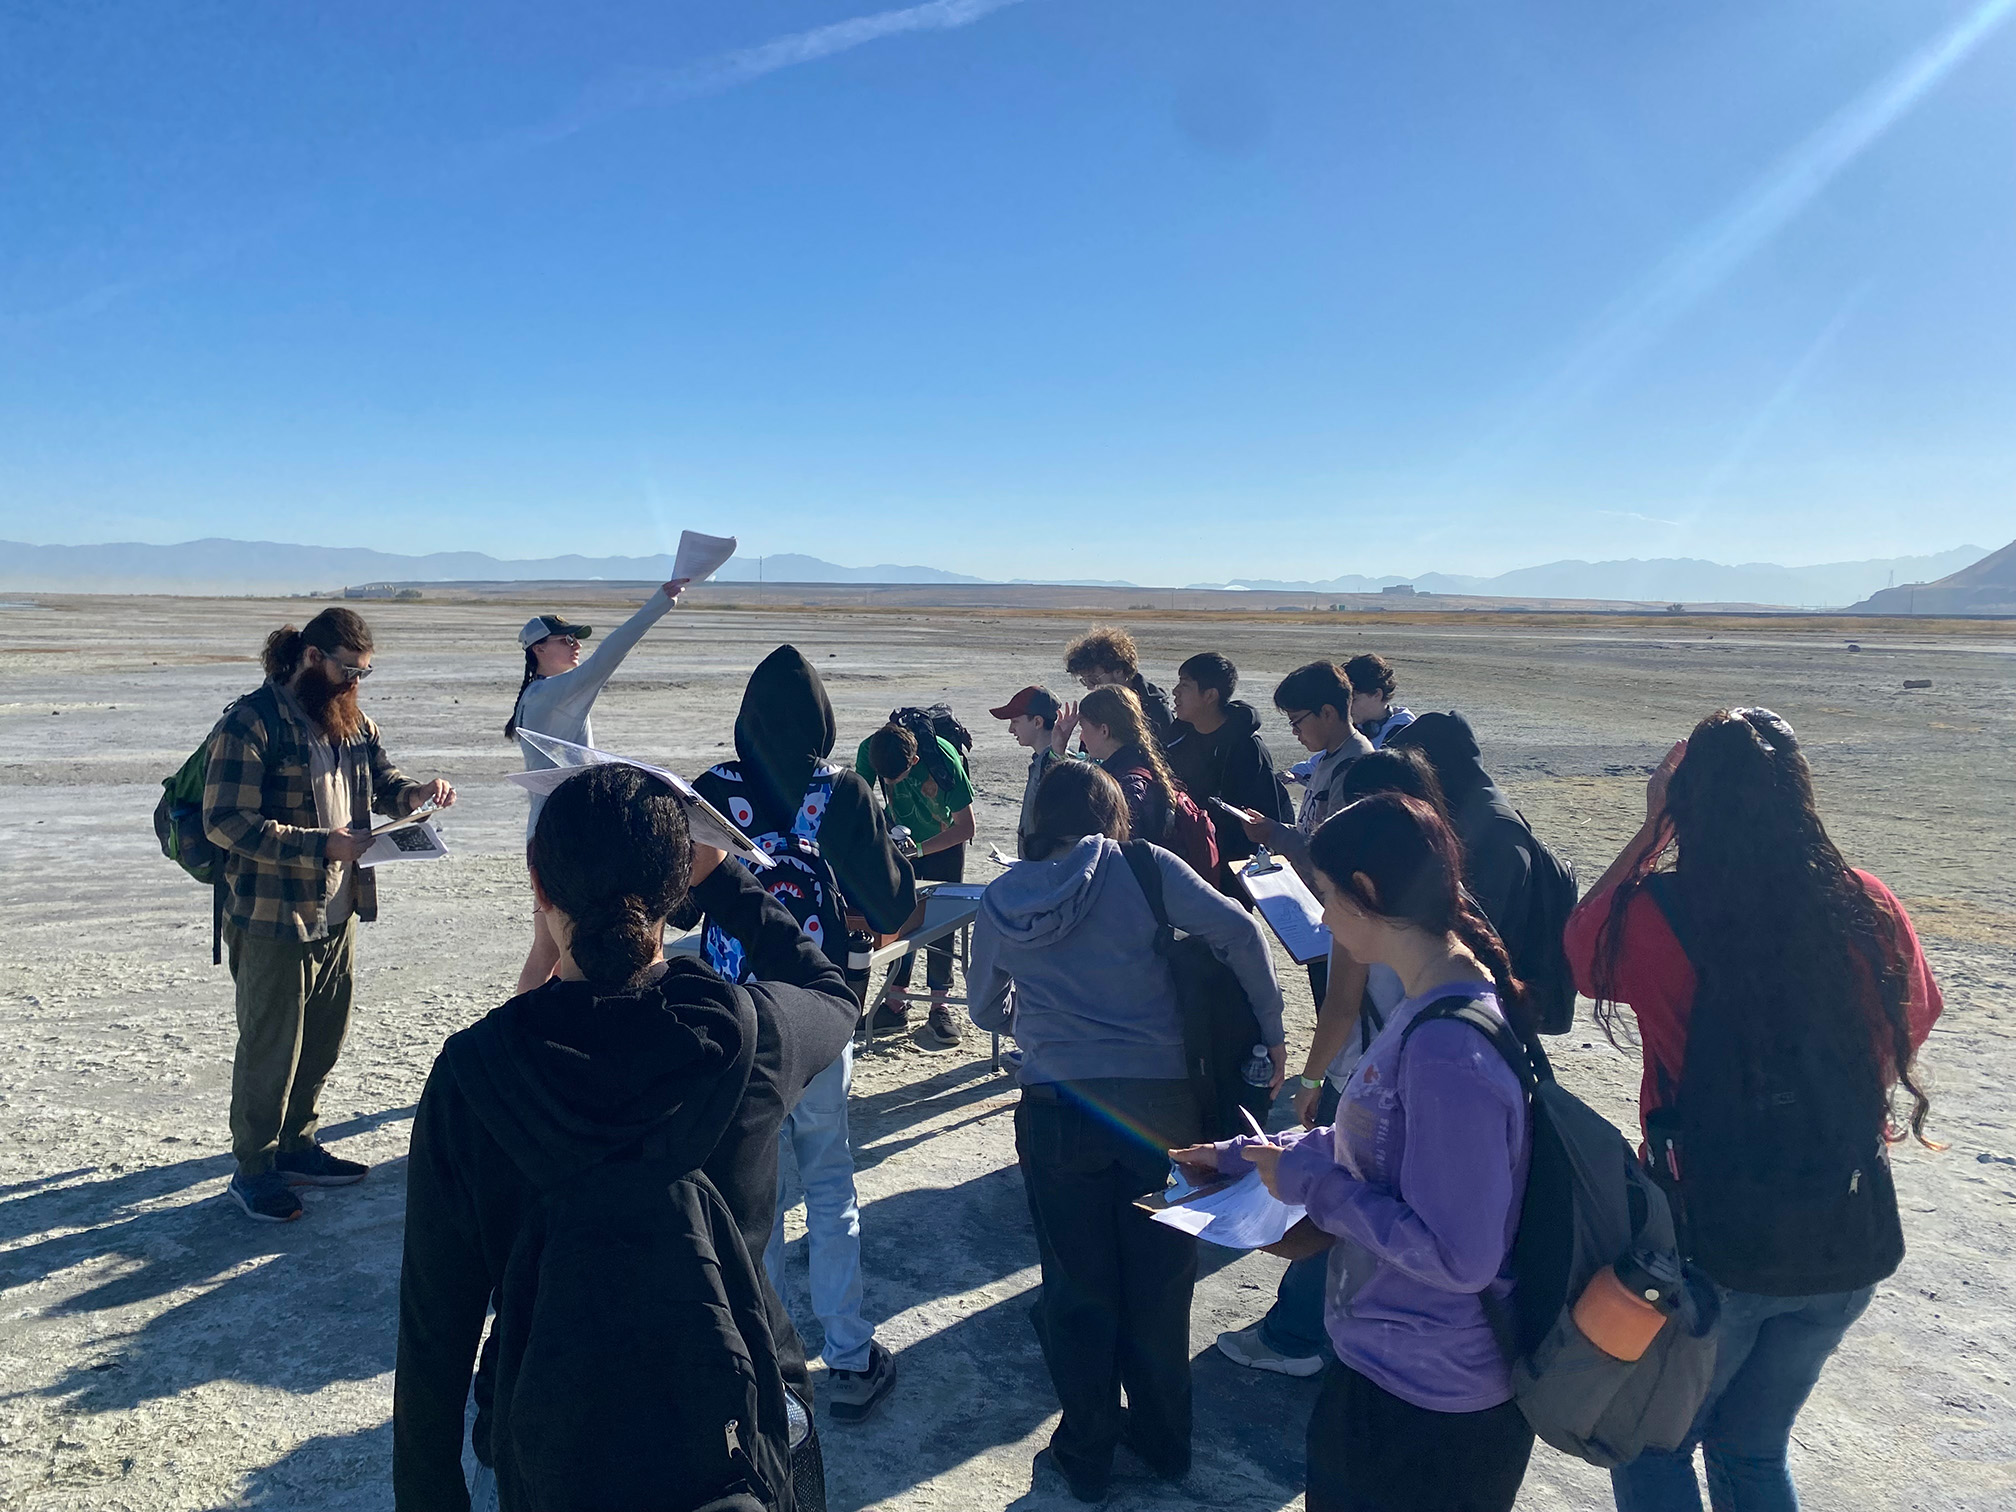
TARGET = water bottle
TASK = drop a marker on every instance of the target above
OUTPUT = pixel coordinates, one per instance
(899, 836)
(1259, 1068)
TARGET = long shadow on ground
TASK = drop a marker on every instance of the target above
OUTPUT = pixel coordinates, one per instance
(292, 1306)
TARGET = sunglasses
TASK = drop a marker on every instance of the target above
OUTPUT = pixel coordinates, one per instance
(348, 672)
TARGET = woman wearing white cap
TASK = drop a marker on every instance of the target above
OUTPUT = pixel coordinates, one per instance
(555, 699)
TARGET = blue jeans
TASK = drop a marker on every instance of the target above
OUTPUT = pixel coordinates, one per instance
(1768, 1355)
(1294, 1324)
(816, 1131)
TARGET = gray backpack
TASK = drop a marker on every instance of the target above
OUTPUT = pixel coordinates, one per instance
(1588, 1204)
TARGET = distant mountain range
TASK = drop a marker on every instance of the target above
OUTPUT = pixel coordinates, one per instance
(1683, 580)
(265, 567)
(1984, 587)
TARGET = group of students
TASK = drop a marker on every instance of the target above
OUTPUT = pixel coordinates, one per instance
(597, 1160)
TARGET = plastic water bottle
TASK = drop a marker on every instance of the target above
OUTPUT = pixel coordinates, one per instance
(1259, 1068)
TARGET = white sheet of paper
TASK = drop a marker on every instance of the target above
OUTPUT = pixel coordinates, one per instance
(701, 556)
(1189, 1220)
(1291, 911)
(1244, 1215)
(708, 825)
(406, 842)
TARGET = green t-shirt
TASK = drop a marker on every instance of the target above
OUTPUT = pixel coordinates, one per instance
(917, 802)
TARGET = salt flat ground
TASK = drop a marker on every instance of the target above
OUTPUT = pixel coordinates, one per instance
(157, 1351)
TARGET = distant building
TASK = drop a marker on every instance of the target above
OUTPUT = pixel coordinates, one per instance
(380, 591)
(1404, 590)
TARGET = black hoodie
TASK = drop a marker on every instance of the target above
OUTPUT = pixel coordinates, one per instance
(1497, 844)
(1232, 763)
(783, 735)
(560, 1079)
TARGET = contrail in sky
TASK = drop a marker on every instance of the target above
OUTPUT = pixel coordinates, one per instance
(1705, 259)
(725, 71)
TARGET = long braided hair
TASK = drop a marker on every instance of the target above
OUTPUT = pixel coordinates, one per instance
(531, 676)
(1784, 924)
(1414, 862)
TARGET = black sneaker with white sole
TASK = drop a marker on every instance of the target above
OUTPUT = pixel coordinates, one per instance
(852, 1394)
(266, 1198)
(943, 1026)
(311, 1165)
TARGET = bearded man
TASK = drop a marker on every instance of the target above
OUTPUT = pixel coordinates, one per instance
(295, 771)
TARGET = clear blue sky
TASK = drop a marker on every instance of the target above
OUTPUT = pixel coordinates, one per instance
(1168, 290)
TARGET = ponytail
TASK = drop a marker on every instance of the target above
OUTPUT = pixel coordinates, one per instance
(611, 851)
(614, 939)
(282, 656)
(334, 629)
(531, 676)
(1482, 941)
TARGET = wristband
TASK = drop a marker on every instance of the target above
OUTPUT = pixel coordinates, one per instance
(1311, 1082)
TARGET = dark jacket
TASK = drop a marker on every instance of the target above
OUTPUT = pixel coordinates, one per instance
(1148, 815)
(556, 1081)
(1234, 764)
(1497, 845)
(1155, 704)
(783, 735)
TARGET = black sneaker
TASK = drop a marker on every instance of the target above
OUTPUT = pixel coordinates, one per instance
(311, 1165)
(889, 1017)
(1086, 1486)
(943, 1025)
(852, 1394)
(266, 1198)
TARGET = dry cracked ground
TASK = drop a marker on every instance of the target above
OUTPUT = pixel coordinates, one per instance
(157, 1351)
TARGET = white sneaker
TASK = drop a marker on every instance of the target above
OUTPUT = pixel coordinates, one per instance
(1246, 1347)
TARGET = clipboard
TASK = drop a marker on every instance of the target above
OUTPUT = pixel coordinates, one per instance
(1290, 909)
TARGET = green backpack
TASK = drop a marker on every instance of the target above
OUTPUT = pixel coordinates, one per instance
(178, 825)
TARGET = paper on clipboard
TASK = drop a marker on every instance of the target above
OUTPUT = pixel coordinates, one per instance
(701, 556)
(1239, 1214)
(708, 825)
(1290, 909)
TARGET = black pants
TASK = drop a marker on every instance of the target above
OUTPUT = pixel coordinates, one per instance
(1371, 1452)
(1115, 1309)
(948, 865)
(1319, 981)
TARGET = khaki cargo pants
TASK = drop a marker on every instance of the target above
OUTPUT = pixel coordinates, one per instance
(293, 1011)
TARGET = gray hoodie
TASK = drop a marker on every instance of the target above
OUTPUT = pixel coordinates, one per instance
(1064, 956)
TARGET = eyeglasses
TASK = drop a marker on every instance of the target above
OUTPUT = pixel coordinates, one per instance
(348, 672)
(1295, 721)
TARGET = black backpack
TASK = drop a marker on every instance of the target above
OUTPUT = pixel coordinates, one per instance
(928, 726)
(1540, 959)
(1781, 1180)
(642, 1257)
(1587, 1204)
(1220, 1028)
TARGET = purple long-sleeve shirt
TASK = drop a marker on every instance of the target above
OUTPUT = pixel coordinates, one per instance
(1420, 1180)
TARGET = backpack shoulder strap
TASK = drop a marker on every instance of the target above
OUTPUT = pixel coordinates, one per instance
(1527, 1061)
(1149, 877)
(1663, 888)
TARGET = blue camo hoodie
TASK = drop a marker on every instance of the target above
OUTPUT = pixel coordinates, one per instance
(1064, 958)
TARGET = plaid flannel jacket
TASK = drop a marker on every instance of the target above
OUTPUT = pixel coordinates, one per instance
(259, 806)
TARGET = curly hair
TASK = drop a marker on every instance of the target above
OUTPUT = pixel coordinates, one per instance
(1102, 648)
(1786, 926)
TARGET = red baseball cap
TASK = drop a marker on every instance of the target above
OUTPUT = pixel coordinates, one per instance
(1031, 700)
